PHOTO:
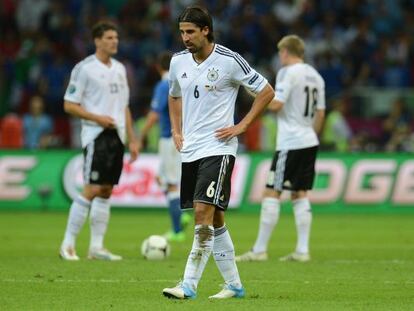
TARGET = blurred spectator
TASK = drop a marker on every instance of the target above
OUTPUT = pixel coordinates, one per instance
(11, 131)
(37, 125)
(337, 133)
(288, 11)
(29, 14)
(401, 140)
(397, 127)
(355, 43)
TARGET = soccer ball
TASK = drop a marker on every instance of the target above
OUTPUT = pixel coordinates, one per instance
(155, 247)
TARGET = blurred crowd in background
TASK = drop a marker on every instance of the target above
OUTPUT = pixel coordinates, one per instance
(353, 43)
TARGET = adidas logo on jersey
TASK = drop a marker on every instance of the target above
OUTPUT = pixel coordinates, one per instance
(287, 184)
(184, 76)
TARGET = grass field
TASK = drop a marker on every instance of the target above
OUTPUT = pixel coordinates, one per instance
(360, 262)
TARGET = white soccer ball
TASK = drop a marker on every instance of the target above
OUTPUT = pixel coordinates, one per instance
(155, 247)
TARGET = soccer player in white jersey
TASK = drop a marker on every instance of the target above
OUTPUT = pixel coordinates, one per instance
(204, 82)
(98, 94)
(300, 103)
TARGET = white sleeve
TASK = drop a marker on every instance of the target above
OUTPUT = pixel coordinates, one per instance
(77, 84)
(321, 105)
(126, 85)
(174, 86)
(244, 75)
(283, 86)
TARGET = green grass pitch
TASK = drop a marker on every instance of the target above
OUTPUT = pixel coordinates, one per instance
(360, 262)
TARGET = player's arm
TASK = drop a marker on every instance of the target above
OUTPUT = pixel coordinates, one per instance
(158, 103)
(283, 89)
(76, 110)
(175, 108)
(319, 120)
(260, 103)
(133, 144)
(150, 120)
(275, 105)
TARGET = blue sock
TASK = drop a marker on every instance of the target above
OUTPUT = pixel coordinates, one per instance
(175, 210)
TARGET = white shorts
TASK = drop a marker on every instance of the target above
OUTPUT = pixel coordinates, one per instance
(169, 171)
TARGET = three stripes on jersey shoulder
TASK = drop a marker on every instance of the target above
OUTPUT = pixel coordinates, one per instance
(225, 52)
(240, 60)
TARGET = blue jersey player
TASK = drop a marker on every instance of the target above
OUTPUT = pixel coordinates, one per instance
(169, 171)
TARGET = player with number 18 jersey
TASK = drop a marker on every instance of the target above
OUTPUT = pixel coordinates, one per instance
(302, 90)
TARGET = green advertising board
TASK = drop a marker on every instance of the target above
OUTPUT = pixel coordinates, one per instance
(360, 182)
(48, 180)
(33, 180)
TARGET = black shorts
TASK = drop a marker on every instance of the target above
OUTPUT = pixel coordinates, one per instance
(293, 169)
(103, 159)
(207, 180)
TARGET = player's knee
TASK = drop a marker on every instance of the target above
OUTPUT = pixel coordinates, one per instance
(271, 193)
(104, 192)
(296, 195)
(202, 218)
(90, 192)
(172, 188)
(218, 220)
(203, 214)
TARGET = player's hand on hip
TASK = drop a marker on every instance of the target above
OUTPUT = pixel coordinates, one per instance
(178, 141)
(106, 121)
(228, 133)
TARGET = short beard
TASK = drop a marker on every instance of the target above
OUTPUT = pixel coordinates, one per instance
(194, 49)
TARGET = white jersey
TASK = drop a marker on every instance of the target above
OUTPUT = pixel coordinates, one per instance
(100, 90)
(302, 90)
(208, 91)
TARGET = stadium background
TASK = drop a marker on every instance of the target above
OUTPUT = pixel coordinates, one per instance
(363, 49)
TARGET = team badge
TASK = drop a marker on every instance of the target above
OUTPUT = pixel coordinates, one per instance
(94, 175)
(71, 89)
(212, 74)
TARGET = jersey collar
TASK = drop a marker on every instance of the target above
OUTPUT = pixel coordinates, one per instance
(208, 56)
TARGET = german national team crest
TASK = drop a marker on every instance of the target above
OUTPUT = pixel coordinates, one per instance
(212, 75)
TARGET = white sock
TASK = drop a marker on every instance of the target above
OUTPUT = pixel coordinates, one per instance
(200, 252)
(77, 215)
(223, 252)
(303, 220)
(99, 218)
(269, 216)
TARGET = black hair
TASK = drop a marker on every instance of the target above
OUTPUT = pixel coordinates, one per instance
(99, 28)
(198, 16)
